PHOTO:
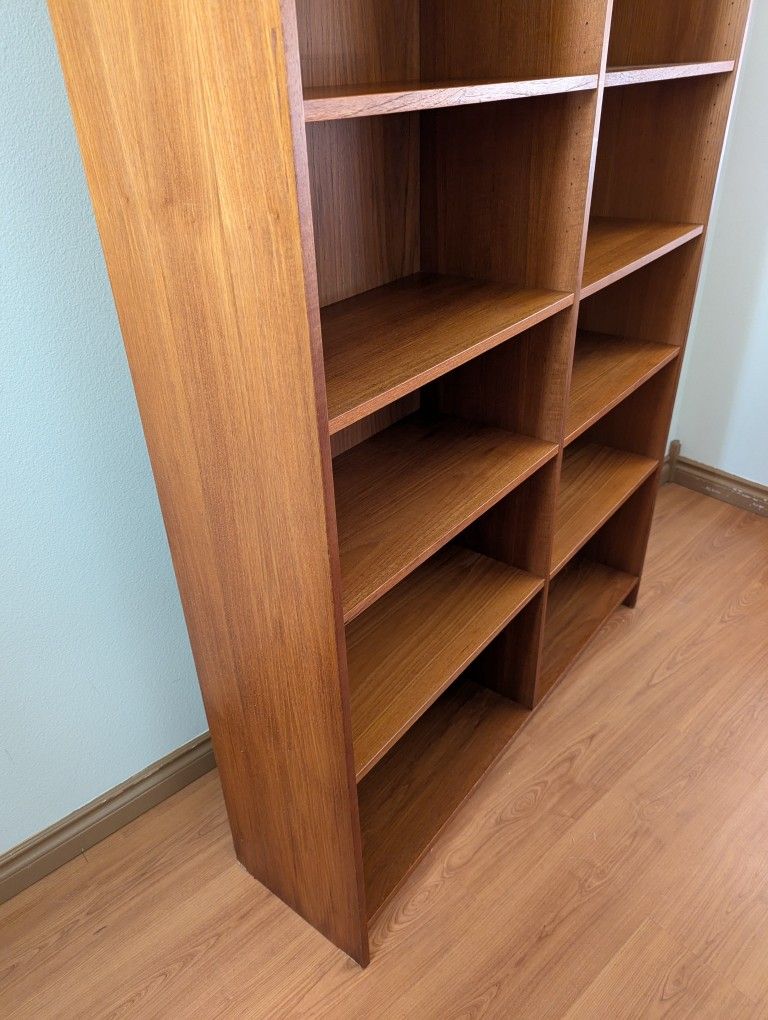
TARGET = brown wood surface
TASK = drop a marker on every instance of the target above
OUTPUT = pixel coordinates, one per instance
(643, 73)
(358, 41)
(365, 235)
(408, 647)
(388, 342)
(410, 489)
(414, 791)
(511, 38)
(375, 100)
(606, 369)
(616, 248)
(594, 482)
(581, 598)
(655, 31)
(231, 212)
(517, 214)
(634, 798)
(234, 437)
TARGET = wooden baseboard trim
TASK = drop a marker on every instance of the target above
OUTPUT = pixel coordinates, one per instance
(64, 840)
(712, 482)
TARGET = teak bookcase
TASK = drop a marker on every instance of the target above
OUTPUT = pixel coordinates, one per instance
(404, 286)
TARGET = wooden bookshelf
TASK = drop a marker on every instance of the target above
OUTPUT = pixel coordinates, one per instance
(407, 800)
(408, 490)
(581, 599)
(595, 481)
(618, 247)
(645, 73)
(414, 642)
(341, 102)
(606, 370)
(388, 342)
(405, 352)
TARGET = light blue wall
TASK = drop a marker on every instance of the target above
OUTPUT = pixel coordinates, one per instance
(96, 675)
(721, 416)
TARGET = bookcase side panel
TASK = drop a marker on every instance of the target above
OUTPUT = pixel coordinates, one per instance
(183, 117)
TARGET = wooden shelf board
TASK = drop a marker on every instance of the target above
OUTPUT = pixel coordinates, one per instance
(410, 489)
(388, 342)
(412, 793)
(639, 74)
(580, 600)
(606, 369)
(341, 102)
(595, 481)
(413, 643)
(616, 248)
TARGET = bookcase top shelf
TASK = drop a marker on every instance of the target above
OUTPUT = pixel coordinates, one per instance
(341, 102)
(641, 73)
(387, 342)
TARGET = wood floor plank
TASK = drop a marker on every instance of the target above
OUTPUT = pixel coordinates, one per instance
(651, 976)
(620, 799)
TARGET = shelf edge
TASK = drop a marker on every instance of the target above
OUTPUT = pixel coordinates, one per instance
(346, 104)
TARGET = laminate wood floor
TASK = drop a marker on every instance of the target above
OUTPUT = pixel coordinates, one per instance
(614, 863)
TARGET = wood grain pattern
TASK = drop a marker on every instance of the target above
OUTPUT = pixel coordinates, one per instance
(594, 482)
(511, 38)
(358, 41)
(657, 32)
(415, 790)
(407, 648)
(386, 343)
(606, 370)
(643, 73)
(516, 215)
(581, 598)
(375, 100)
(245, 177)
(365, 235)
(236, 442)
(409, 490)
(616, 248)
(637, 793)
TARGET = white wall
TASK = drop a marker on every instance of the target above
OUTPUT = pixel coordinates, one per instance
(721, 416)
(96, 674)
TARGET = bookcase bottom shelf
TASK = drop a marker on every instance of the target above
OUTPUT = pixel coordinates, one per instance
(581, 599)
(413, 792)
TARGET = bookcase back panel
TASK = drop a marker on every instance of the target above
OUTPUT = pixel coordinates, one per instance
(652, 304)
(357, 41)
(504, 187)
(660, 148)
(675, 31)
(364, 179)
(510, 38)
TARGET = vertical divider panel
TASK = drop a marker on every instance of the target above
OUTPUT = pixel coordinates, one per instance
(184, 120)
(473, 226)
